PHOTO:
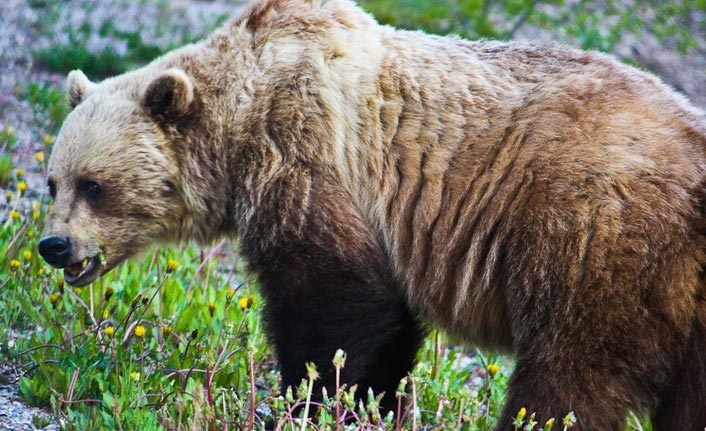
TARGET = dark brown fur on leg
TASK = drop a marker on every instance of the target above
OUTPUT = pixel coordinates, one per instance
(327, 287)
(683, 405)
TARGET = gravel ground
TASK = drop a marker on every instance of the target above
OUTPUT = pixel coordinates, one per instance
(685, 73)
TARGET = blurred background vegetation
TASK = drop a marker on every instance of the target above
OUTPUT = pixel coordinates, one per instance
(667, 37)
(590, 24)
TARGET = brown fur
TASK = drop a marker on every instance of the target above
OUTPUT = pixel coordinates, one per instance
(526, 198)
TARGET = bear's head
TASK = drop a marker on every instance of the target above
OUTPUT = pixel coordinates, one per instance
(113, 173)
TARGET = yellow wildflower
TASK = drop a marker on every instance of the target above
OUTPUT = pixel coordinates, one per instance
(48, 139)
(22, 187)
(36, 215)
(9, 195)
(106, 313)
(246, 301)
(229, 294)
(39, 156)
(20, 173)
(30, 233)
(15, 215)
(166, 330)
(521, 414)
(27, 255)
(54, 299)
(109, 330)
(172, 265)
(10, 130)
(15, 264)
(211, 308)
(40, 271)
(139, 331)
(35, 206)
(493, 369)
(78, 290)
(135, 376)
(60, 282)
(549, 425)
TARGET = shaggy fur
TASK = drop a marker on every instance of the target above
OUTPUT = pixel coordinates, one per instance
(525, 198)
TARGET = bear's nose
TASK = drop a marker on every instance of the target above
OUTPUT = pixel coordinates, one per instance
(56, 251)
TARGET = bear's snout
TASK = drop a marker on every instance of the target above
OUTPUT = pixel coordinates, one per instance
(56, 251)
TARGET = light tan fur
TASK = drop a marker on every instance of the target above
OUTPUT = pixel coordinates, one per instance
(528, 197)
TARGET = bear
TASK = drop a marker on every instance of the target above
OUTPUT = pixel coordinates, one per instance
(526, 198)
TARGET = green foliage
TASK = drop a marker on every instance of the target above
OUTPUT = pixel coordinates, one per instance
(5, 169)
(64, 58)
(99, 43)
(48, 103)
(592, 25)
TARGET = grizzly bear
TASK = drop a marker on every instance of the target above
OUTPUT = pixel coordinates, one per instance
(525, 198)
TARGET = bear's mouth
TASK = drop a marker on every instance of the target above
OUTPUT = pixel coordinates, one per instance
(83, 272)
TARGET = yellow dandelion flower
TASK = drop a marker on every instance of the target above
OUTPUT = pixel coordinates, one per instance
(60, 283)
(30, 234)
(9, 195)
(15, 215)
(172, 265)
(229, 294)
(35, 206)
(36, 215)
(521, 414)
(40, 271)
(48, 139)
(246, 301)
(39, 156)
(106, 313)
(78, 290)
(27, 255)
(15, 264)
(20, 173)
(54, 299)
(109, 330)
(22, 187)
(211, 308)
(135, 376)
(139, 331)
(493, 369)
(166, 330)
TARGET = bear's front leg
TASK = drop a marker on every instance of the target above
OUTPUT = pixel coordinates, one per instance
(310, 319)
(327, 286)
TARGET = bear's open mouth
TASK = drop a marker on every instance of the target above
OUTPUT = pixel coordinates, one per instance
(83, 272)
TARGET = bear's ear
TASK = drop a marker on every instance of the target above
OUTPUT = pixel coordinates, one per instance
(78, 87)
(169, 95)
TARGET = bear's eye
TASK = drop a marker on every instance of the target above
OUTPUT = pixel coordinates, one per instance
(52, 189)
(90, 189)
